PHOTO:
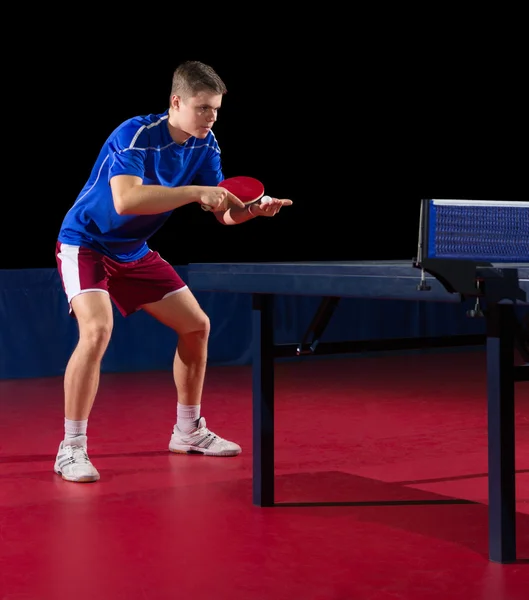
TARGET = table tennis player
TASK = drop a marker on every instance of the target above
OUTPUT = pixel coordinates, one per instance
(148, 167)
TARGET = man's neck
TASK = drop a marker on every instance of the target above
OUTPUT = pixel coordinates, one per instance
(177, 135)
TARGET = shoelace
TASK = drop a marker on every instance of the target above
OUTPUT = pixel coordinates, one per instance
(205, 438)
(78, 454)
(204, 431)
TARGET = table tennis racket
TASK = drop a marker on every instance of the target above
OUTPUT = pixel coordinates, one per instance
(247, 189)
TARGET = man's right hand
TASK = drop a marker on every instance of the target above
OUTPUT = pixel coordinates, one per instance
(218, 198)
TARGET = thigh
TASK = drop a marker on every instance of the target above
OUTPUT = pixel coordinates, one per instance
(179, 311)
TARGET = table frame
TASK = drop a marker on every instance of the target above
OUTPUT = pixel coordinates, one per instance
(502, 374)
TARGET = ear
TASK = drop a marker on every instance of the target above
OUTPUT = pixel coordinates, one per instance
(176, 101)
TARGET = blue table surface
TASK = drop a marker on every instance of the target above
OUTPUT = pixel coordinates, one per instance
(397, 279)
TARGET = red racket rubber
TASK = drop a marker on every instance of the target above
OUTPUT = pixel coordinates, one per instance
(247, 189)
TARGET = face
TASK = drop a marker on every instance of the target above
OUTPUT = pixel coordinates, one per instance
(196, 115)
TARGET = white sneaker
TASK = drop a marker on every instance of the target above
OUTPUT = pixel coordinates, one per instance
(73, 464)
(203, 441)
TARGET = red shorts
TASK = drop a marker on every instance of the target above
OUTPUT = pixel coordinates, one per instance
(130, 285)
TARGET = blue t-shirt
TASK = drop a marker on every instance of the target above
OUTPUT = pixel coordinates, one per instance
(140, 146)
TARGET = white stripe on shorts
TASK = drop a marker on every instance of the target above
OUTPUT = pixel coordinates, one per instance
(69, 257)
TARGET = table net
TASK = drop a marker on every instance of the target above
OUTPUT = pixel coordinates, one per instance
(495, 231)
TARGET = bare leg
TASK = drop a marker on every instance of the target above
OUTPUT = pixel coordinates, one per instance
(93, 311)
(182, 313)
(189, 366)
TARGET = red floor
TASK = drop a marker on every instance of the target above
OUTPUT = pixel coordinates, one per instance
(401, 440)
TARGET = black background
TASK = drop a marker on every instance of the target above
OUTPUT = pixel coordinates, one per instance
(354, 131)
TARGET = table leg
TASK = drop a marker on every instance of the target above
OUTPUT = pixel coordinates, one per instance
(501, 429)
(263, 399)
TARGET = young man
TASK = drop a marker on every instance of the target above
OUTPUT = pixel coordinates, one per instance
(148, 167)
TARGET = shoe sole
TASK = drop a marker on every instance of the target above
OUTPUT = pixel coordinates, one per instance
(205, 452)
(87, 479)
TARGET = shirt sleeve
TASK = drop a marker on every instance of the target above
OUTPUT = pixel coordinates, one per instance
(124, 158)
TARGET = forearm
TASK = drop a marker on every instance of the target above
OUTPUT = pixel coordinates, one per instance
(155, 199)
(236, 215)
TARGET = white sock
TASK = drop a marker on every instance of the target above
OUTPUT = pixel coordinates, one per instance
(74, 430)
(187, 417)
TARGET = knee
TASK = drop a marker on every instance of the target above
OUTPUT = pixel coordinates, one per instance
(95, 334)
(202, 326)
(205, 324)
(198, 331)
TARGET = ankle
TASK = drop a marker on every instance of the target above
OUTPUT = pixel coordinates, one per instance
(75, 432)
(187, 417)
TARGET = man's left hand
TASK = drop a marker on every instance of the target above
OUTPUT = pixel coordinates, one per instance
(269, 208)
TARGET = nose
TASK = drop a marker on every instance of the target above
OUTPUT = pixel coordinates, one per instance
(211, 116)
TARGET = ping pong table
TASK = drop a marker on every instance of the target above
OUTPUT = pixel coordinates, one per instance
(497, 288)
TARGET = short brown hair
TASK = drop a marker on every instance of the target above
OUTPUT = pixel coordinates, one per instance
(192, 77)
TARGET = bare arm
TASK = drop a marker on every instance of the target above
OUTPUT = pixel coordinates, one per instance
(131, 197)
